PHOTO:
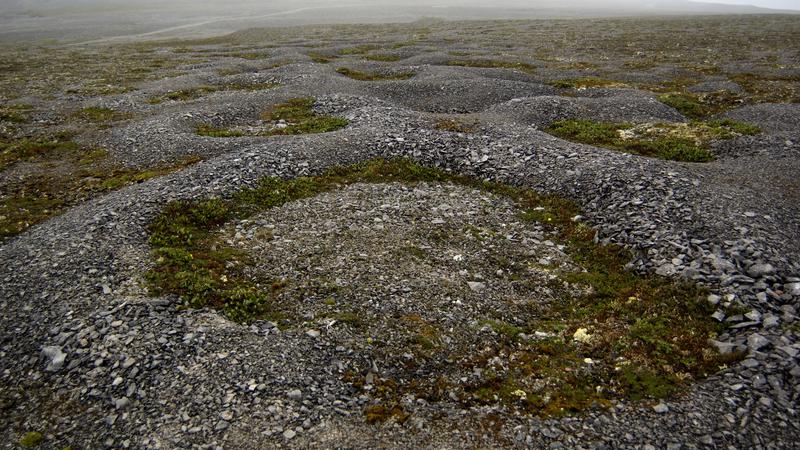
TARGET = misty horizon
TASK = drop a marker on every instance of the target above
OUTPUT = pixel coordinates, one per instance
(89, 20)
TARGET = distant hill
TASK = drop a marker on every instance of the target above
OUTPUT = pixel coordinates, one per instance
(616, 6)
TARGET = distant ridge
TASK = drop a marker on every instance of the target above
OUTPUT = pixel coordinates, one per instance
(614, 7)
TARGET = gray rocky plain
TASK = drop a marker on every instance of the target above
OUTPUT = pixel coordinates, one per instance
(90, 360)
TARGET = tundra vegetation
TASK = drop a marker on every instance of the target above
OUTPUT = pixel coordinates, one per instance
(634, 337)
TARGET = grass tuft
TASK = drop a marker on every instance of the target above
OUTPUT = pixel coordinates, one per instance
(321, 58)
(608, 135)
(14, 113)
(199, 91)
(492, 64)
(102, 115)
(686, 104)
(31, 439)
(358, 50)
(297, 116)
(373, 76)
(583, 83)
(383, 57)
(14, 151)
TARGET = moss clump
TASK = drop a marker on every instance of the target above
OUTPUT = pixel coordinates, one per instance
(301, 118)
(358, 50)
(769, 88)
(83, 173)
(493, 64)
(26, 149)
(728, 128)
(248, 55)
(381, 413)
(19, 212)
(608, 135)
(101, 115)
(321, 58)
(31, 439)
(585, 82)
(14, 113)
(383, 57)
(687, 104)
(297, 116)
(373, 76)
(181, 236)
(183, 94)
(199, 91)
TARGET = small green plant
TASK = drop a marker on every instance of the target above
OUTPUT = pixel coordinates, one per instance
(87, 172)
(301, 118)
(248, 55)
(31, 439)
(101, 115)
(381, 413)
(24, 149)
(506, 329)
(183, 95)
(297, 115)
(373, 76)
(608, 135)
(197, 92)
(358, 50)
(383, 57)
(727, 128)
(493, 64)
(686, 104)
(14, 113)
(248, 86)
(585, 82)
(321, 58)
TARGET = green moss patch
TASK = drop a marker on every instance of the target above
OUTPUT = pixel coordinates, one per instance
(611, 334)
(199, 91)
(677, 142)
(295, 116)
(60, 173)
(769, 88)
(492, 64)
(248, 55)
(182, 95)
(584, 83)
(373, 76)
(321, 58)
(207, 130)
(102, 115)
(358, 50)
(14, 113)
(14, 151)
(699, 106)
(31, 439)
(383, 57)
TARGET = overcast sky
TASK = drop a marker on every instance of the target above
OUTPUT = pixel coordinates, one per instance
(488, 4)
(780, 4)
(776, 4)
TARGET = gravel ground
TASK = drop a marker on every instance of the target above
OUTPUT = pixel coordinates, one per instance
(91, 361)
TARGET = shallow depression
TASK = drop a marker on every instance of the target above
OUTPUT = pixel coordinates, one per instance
(449, 253)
